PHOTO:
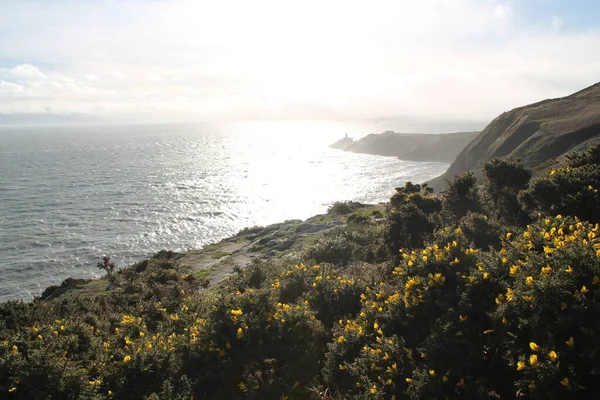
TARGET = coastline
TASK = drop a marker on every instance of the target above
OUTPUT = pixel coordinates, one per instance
(215, 262)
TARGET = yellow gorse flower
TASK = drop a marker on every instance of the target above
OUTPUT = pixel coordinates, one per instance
(534, 346)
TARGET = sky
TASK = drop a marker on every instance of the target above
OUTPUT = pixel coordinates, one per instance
(196, 60)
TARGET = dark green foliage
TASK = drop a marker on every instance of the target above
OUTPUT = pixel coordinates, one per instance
(343, 207)
(588, 157)
(461, 196)
(481, 231)
(412, 217)
(407, 226)
(503, 180)
(570, 190)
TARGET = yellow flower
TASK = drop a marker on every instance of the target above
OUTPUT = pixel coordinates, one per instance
(127, 359)
(242, 386)
(462, 318)
(529, 280)
(546, 269)
(432, 372)
(520, 365)
(12, 390)
(240, 333)
(460, 382)
(534, 346)
(553, 356)
(584, 290)
(569, 269)
(445, 378)
(565, 382)
(486, 275)
(342, 367)
(341, 339)
(237, 312)
(509, 235)
(488, 331)
(570, 342)
(531, 385)
(424, 258)
(596, 280)
(373, 389)
(514, 270)
(408, 380)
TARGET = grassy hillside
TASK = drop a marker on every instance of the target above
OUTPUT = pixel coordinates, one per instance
(489, 291)
(539, 134)
(410, 146)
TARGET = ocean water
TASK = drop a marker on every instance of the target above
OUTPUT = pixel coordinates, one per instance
(69, 195)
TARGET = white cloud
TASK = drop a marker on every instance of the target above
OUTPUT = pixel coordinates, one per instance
(502, 11)
(10, 88)
(24, 72)
(346, 59)
(153, 77)
(119, 75)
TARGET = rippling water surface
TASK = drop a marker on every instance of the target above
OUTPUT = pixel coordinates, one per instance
(71, 194)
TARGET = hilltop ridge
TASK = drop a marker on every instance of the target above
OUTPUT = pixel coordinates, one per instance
(539, 134)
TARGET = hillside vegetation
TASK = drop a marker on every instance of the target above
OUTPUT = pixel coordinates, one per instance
(489, 291)
(539, 134)
(410, 146)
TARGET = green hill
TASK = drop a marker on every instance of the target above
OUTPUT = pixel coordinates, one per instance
(539, 134)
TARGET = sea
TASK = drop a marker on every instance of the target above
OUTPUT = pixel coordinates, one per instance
(71, 194)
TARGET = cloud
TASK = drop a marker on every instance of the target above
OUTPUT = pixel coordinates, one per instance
(23, 72)
(153, 77)
(119, 75)
(8, 88)
(502, 11)
(198, 59)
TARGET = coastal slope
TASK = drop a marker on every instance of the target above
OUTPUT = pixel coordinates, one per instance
(409, 146)
(539, 135)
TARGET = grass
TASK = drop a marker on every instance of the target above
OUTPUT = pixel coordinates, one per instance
(203, 274)
(220, 254)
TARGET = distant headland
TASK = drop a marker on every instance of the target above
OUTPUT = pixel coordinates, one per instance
(409, 146)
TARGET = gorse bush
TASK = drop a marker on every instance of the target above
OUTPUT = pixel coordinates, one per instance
(443, 298)
(572, 189)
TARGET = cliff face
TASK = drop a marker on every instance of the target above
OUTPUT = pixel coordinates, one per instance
(409, 146)
(540, 134)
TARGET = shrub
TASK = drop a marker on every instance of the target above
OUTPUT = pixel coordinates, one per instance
(461, 197)
(503, 180)
(571, 190)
